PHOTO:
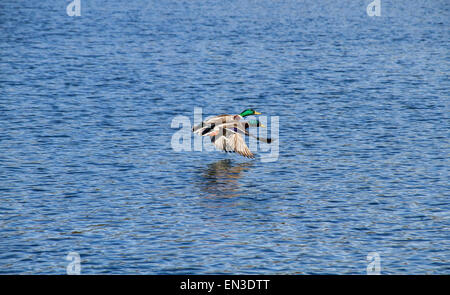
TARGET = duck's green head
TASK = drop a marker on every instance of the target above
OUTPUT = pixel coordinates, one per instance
(249, 112)
(255, 123)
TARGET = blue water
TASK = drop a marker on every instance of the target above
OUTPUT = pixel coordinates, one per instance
(86, 163)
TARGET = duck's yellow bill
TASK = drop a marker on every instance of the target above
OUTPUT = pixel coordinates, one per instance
(257, 113)
(261, 125)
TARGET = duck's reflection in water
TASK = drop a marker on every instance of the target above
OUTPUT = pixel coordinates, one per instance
(221, 179)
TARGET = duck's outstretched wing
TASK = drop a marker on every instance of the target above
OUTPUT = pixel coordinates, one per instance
(220, 141)
(237, 143)
(230, 140)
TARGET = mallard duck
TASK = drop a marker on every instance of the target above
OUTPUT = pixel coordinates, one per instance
(228, 137)
(206, 126)
(226, 132)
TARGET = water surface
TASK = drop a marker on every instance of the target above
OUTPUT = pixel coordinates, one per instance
(86, 164)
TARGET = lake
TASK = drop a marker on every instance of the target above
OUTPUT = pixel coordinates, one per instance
(87, 164)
